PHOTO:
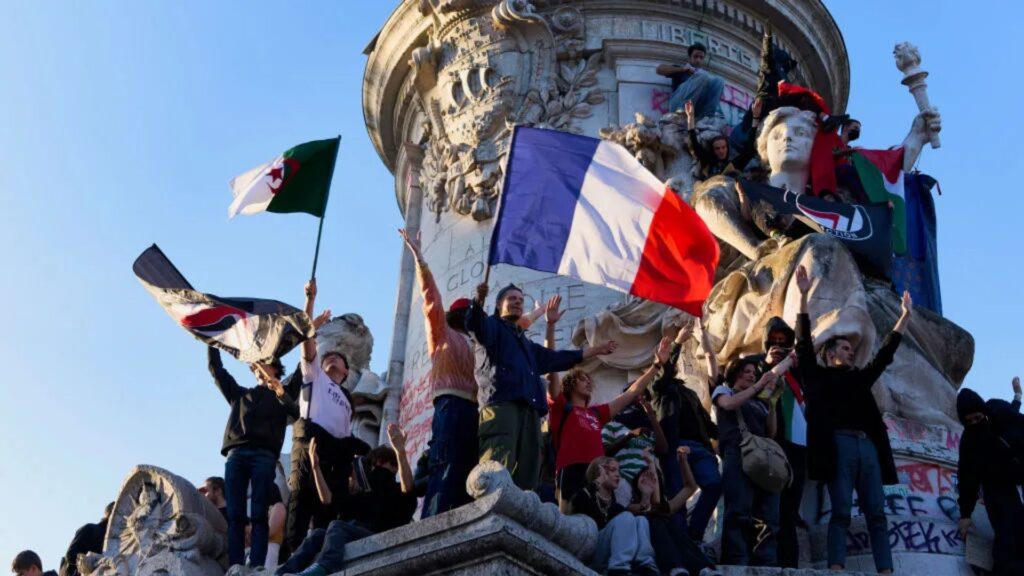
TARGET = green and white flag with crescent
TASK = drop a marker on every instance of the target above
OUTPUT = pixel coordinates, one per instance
(298, 180)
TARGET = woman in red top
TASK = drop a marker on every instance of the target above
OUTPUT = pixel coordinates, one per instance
(575, 425)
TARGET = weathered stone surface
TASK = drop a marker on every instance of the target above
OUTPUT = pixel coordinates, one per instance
(160, 525)
(350, 336)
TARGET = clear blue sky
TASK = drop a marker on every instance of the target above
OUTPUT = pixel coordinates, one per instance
(121, 123)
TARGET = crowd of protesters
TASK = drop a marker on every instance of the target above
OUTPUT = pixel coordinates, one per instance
(632, 464)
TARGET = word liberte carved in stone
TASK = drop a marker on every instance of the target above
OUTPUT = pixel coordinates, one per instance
(487, 67)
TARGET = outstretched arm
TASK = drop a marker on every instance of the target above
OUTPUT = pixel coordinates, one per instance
(433, 307)
(637, 388)
(1016, 394)
(925, 124)
(309, 345)
(553, 315)
(734, 401)
(678, 502)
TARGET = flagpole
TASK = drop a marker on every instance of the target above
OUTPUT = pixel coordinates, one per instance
(327, 196)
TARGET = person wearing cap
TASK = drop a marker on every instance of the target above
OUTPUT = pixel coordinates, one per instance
(453, 430)
(512, 393)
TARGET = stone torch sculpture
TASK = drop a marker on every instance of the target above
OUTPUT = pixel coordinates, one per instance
(908, 60)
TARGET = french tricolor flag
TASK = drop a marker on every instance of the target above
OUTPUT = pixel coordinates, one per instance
(585, 208)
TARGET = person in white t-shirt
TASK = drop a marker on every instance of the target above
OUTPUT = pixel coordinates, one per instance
(325, 410)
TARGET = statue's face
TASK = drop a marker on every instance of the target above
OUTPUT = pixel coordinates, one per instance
(789, 145)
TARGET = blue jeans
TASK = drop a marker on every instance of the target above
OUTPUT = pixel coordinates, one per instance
(704, 465)
(624, 544)
(745, 502)
(326, 548)
(857, 467)
(454, 451)
(704, 89)
(245, 466)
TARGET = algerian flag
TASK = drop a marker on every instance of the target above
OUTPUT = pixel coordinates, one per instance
(296, 181)
(881, 174)
(792, 405)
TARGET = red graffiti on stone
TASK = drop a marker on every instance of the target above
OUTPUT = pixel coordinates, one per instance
(416, 414)
(659, 100)
(927, 478)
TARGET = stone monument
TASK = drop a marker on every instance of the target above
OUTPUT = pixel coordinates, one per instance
(447, 79)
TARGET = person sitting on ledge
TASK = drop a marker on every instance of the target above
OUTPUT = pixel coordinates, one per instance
(27, 563)
(623, 540)
(381, 505)
(691, 82)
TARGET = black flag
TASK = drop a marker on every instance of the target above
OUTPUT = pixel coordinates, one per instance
(249, 329)
(865, 229)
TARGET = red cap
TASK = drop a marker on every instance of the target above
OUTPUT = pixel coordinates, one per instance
(460, 304)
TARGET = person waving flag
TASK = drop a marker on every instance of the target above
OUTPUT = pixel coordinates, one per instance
(585, 208)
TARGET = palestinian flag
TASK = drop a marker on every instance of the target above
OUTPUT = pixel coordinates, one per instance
(881, 174)
(791, 404)
(296, 181)
(249, 329)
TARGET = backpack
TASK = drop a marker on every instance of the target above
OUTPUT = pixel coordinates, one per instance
(763, 459)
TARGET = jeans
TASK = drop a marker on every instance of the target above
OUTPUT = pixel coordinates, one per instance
(742, 537)
(623, 544)
(510, 434)
(704, 89)
(857, 467)
(453, 454)
(325, 548)
(704, 465)
(789, 506)
(244, 466)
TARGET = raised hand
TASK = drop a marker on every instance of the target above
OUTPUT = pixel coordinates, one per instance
(606, 348)
(481, 292)
(664, 350)
(688, 108)
(551, 310)
(413, 243)
(321, 319)
(907, 304)
(1016, 385)
(396, 437)
(755, 110)
(310, 288)
(803, 281)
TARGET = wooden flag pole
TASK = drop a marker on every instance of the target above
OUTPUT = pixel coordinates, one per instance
(327, 196)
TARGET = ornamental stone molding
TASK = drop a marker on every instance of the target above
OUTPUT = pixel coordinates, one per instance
(160, 525)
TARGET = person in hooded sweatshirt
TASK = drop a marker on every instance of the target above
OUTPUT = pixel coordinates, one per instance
(779, 339)
(990, 461)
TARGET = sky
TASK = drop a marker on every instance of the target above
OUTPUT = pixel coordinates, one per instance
(122, 122)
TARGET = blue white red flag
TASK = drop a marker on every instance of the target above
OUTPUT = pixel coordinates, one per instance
(585, 208)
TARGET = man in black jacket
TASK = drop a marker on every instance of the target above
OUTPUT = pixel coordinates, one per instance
(988, 460)
(252, 442)
(88, 538)
(847, 442)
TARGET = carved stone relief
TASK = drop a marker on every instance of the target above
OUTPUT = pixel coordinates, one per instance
(160, 525)
(487, 67)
